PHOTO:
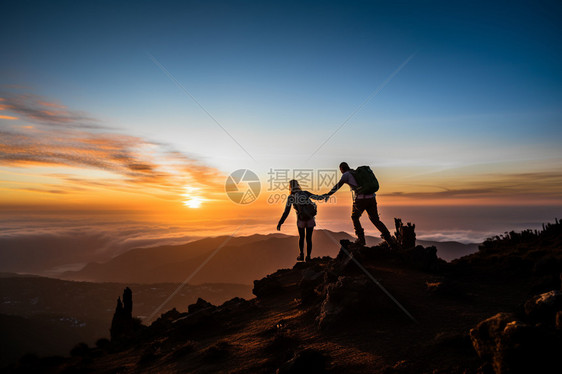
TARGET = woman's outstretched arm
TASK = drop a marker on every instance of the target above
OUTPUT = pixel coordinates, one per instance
(285, 212)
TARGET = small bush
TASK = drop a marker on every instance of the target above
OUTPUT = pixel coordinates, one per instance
(80, 350)
(103, 344)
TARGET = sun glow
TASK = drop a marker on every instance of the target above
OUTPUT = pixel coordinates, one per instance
(194, 202)
(192, 199)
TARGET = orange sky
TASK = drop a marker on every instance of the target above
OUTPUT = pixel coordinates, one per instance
(54, 158)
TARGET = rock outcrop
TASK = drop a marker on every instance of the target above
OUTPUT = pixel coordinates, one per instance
(405, 235)
(527, 344)
(544, 307)
(122, 324)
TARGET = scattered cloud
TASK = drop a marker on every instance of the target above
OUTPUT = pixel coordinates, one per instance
(8, 117)
(55, 136)
(39, 110)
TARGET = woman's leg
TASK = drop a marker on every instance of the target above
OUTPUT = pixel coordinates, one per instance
(301, 239)
(309, 231)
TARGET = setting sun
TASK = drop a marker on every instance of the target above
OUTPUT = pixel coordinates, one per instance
(192, 199)
(194, 202)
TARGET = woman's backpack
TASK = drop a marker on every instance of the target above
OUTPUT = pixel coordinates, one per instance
(306, 208)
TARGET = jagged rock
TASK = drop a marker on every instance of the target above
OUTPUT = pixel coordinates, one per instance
(171, 315)
(200, 305)
(128, 302)
(351, 254)
(512, 346)
(166, 320)
(310, 361)
(122, 324)
(405, 235)
(544, 307)
(236, 304)
(302, 265)
(422, 258)
(346, 264)
(311, 279)
(558, 320)
(349, 296)
(195, 322)
(419, 257)
(268, 286)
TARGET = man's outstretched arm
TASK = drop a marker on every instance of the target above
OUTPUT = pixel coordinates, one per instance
(317, 197)
(336, 187)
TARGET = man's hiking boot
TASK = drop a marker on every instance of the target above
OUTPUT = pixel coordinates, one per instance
(360, 241)
(393, 243)
(308, 259)
(300, 257)
(360, 237)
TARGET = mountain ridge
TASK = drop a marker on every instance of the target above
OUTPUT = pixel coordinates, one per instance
(271, 251)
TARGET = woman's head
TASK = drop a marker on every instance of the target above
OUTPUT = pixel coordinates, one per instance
(294, 185)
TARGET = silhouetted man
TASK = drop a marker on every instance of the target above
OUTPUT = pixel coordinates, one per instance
(361, 203)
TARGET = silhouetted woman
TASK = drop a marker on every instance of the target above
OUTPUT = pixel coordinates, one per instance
(306, 210)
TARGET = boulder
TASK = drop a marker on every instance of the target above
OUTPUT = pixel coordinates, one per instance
(199, 306)
(267, 287)
(235, 304)
(509, 345)
(543, 307)
(351, 296)
(422, 258)
(310, 281)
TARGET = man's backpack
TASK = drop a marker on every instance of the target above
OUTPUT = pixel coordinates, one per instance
(367, 183)
(306, 208)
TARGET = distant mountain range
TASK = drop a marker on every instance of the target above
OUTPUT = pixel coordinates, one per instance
(226, 259)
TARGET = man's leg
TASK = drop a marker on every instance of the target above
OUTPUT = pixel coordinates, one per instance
(373, 213)
(356, 212)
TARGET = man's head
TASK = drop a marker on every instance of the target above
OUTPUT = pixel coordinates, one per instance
(344, 167)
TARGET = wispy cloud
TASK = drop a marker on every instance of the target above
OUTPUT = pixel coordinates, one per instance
(543, 184)
(40, 110)
(53, 135)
